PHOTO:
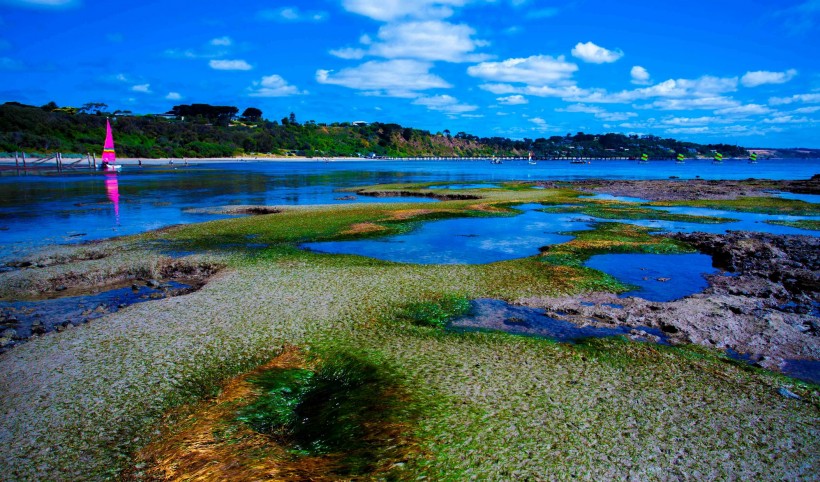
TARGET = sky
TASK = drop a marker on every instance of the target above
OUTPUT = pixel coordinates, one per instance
(739, 72)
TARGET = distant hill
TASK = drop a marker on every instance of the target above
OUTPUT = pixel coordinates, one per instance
(200, 130)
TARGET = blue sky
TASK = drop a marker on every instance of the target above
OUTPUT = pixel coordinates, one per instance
(743, 72)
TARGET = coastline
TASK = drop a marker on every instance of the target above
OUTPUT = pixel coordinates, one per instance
(98, 389)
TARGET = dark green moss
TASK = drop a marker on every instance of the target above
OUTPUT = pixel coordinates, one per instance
(438, 312)
(625, 211)
(343, 407)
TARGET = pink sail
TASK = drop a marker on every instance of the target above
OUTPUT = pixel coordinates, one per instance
(108, 154)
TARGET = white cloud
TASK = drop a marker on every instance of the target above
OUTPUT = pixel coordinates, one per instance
(807, 110)
(594, 54)
(173, 96)
(761, 77)
(445, 103)
(639, 75)
(348, 53)
(387, 10)
(394, 78)
(540, 124)
(230, 65)
(804, 98)
(744, 110)
(274, 86)
(513, 100)
(598, 112)
(427, 40)
(45, 4)
(786, 119)
(291, 14)
(221, 41)
(535, 70)
(714, 102)
(144, 88)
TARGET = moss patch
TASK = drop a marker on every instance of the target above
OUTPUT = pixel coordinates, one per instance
(809, 224)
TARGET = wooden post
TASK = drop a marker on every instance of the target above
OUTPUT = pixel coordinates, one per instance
(94, 158)
(16, 161)
(24, 159)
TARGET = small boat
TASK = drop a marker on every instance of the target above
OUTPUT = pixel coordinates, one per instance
(718, 158)
(578, 161)
(644, 159)
(109, 157)
(495, 160)
(680, 160)
(529, 158)
(753, 158)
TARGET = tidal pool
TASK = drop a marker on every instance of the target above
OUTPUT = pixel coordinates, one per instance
(37, 317)
(490, 314)
(658, 277)
(466, 240)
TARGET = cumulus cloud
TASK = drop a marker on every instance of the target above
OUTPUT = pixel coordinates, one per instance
(761, 77)
(513, 100)
(291, 14)
(388, 10)
(535, 70)
(804, 98)
(229, 65)
(173, 96)
(274, 86)
(639, 75)
(594, 54)
(445, 103)
(143, 88)
(394, 78)
(427, 40)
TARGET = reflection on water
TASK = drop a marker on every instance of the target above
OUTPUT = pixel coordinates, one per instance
(466, 240)
(659, 277)
(113, 191)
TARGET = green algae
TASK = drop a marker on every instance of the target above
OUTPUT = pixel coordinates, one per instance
(340, 407)
(809, 224)
(438, 312)
(494, 406)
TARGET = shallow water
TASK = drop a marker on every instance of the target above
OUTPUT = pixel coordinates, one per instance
(75, 310)
(491, 314)
(658, 277)
(44, 208)
(465, 240)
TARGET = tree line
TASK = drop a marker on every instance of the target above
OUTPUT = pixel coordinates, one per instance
(203, 130)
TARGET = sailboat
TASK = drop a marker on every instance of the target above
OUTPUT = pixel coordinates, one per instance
(753, 158)
(495, 160)
(718, 158)
(644, 158)
(529, 158)
(680, 160)
(109, 157)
